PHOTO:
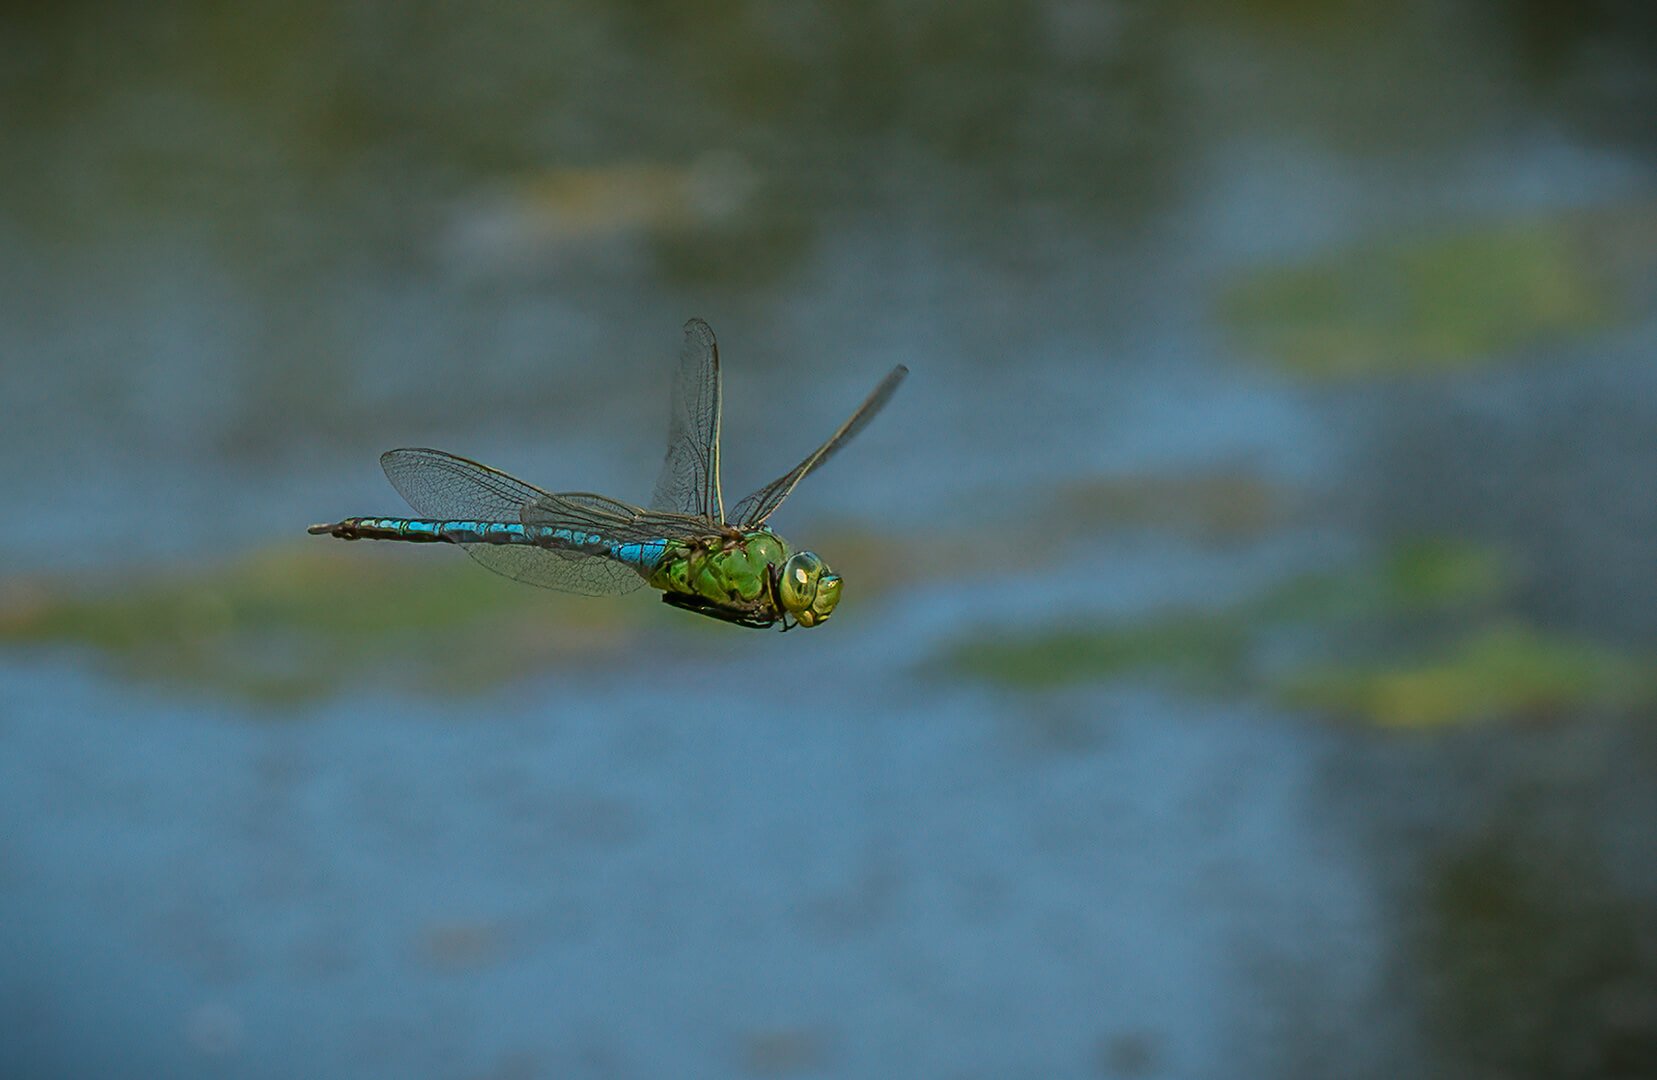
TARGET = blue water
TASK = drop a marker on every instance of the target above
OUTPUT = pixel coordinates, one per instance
(909, 875)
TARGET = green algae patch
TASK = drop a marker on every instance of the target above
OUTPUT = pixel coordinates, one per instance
(1420, 637)
(287, 625)
(1415, 577)
(1195, 650)
(299, 622)
(1503, 671)
(1425, 304)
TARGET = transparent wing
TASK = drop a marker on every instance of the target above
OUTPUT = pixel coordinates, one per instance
(689, 480)
(440, 485)
(754, 509)
(613, 519)
(443, 486)
(566, 571)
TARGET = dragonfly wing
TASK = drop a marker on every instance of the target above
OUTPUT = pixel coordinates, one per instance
(753, 510)
(440, 485)
(612, 519)
(689, 480)
(443, 486)
(566, 571)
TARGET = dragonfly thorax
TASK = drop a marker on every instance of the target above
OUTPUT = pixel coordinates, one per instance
(749, 577)
(732, 571)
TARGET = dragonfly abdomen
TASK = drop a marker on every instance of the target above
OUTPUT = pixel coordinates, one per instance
(426, 531)
(642, 555)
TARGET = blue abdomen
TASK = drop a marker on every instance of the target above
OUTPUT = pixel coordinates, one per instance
(642, 555)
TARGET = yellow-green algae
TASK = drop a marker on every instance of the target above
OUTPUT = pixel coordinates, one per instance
(1500, 671)
(1427, 303)
(1412, 578)
(299, 621)
(1195, 648)
(294, 623)
(1463, 657)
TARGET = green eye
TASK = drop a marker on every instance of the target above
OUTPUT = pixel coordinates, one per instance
(797, 587)
(828, 594)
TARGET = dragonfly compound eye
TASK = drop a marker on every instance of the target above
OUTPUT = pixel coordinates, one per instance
(828, 594)
(797, 585)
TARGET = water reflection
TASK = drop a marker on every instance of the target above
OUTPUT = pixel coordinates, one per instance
(1536, 962)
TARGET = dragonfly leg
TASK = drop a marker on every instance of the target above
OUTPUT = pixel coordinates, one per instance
(773, 579)
(739, 616)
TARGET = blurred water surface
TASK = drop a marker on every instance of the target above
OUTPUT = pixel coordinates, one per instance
(1246, 660)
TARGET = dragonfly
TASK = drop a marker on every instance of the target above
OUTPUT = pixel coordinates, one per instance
(727, 565)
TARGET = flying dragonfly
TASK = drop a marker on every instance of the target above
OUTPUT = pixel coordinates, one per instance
(725, 565)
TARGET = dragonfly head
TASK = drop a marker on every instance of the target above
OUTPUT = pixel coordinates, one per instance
(807, 589)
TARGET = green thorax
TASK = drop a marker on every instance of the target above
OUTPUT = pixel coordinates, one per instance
(729, 572)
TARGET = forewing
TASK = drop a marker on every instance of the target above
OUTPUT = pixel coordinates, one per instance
(443, 486)
(581, 511)
(753, 510)
(440, 485)
(689, 480)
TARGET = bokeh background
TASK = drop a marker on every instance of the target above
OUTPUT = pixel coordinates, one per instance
(1246, 663)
